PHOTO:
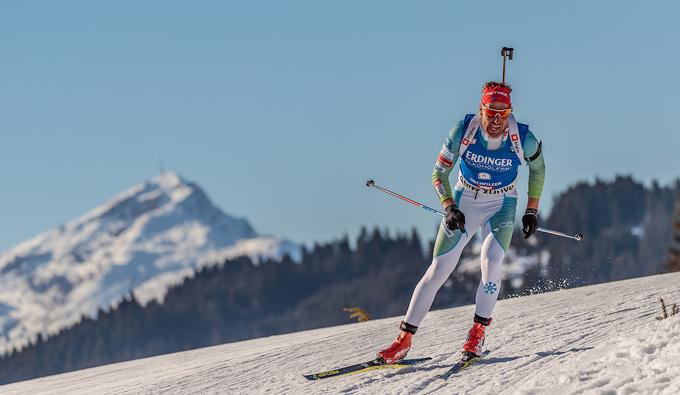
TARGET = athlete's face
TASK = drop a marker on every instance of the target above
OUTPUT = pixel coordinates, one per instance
(494, 123)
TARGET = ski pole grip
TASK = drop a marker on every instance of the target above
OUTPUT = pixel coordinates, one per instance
(370, 183)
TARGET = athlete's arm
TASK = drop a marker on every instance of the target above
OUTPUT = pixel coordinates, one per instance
(447, 158)
(534, 157)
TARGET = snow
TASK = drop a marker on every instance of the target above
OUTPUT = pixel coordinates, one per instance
(638, 231)
(646, 360)
(141, 241)
(598, 339)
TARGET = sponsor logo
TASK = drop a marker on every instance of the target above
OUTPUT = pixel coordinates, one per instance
(488, 184)
(448, 232)
(486, 160)
(508, 224)
(400, 354)
(490, 288)
(444, 161)
(324, 374)
(449, 143)
(439, 187)
(484, 176)
(514, 137)
(488, 190)
(446, 153)
(501, 93)
(439, 168)
(466, 141)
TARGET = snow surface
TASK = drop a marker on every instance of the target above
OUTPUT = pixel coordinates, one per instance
(600, 339)
(143, 241)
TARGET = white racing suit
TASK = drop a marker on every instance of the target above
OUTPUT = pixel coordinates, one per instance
(485, 193)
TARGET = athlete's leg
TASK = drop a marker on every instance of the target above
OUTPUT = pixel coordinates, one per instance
(490, 285)
(439, 271)
(496, 236)
(447, 251)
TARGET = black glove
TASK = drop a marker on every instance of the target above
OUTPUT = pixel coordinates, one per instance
(529, 222)
(455, 219)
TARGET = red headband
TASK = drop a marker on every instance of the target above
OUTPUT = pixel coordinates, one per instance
(496, 93)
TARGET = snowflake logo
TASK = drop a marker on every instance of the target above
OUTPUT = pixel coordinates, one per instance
(490, 288)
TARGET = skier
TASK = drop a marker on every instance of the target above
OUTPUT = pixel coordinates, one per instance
(491, 146)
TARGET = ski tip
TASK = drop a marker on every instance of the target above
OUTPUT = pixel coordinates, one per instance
(466, 360)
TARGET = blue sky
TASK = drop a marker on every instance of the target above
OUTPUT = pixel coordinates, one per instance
(282, 109)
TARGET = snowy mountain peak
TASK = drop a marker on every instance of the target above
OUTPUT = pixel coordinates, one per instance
(168, 179)
(166, 192)
(163, 188)
(142, 240)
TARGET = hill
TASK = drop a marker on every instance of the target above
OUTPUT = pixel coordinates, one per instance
(600, 338)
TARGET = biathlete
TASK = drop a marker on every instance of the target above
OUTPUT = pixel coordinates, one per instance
(490, 145)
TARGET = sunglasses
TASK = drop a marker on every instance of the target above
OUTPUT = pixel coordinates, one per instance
(491, 112)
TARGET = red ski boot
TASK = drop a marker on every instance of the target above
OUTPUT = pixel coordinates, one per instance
(398, 350)
(475, 340)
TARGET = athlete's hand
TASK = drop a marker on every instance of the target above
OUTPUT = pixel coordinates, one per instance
(529, 222)
(455, 219)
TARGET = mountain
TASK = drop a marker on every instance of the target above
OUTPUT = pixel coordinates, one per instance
(141, 241)
(596, 339)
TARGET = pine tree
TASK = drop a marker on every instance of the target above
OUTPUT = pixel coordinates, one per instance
(674, 250)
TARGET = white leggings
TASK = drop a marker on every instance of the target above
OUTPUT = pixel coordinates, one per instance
(477, 213)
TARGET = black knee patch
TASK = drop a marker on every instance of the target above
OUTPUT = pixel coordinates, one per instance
(406, 327)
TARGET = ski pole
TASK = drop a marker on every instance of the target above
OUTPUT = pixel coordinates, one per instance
(372, 184)
(577, 237)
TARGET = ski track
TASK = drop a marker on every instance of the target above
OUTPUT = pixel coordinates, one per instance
(537, 344)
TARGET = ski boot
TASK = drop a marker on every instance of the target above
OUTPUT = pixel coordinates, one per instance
(475, 339)
(398, 350)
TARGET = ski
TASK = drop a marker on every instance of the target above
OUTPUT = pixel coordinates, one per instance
(364, 367)
(464, 362)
